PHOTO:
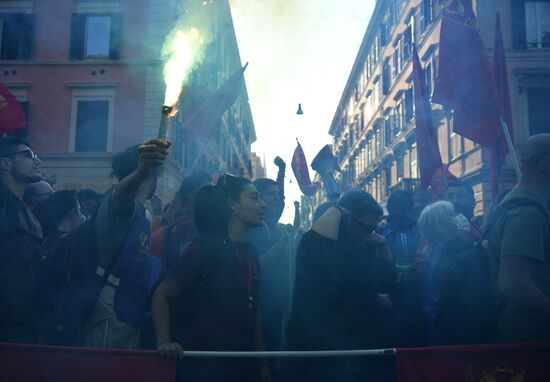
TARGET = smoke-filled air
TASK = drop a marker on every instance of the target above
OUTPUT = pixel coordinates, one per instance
(333, 190)
(181, 50)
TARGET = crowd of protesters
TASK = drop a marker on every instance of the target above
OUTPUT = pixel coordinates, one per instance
(215, 270)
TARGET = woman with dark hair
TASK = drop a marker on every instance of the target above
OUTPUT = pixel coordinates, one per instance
(208, 301)
(60, 218)
(58, 215)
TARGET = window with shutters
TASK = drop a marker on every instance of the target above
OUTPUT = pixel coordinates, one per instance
(16, 36)
(456, 145)
(430, 80)
(400, 167)
(396, 59)
(426, 14)
(369, 151)
(531, 23)
(539, 114)
(384, 33)
(408, 40)
(386, 77)
(96, 36)
(379, 140)
(388, 133)
(409, 106)
(398, 117)
(537, 24)
(414, 161)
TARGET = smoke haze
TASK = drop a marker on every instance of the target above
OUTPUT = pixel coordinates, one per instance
(299, 52)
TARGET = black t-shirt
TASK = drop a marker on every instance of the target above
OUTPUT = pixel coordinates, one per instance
(214, 311)
(334, 295)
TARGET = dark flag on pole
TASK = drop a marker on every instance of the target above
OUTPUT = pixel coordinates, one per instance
(500, 72)
(201, 123)
(465, 81)
(429, 158)
(301, 172)
(325, 163)
(12, 116)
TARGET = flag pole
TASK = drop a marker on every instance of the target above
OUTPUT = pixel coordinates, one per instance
(511, 148)
(290, 354)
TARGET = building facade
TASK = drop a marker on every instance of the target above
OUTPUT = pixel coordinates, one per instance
(89, 75)
(258, 167)
(374, 125)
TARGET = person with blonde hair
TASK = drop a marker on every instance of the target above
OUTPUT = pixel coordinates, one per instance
(446, 232)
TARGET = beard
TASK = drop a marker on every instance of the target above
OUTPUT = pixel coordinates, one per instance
(27, 177)
(33, 178)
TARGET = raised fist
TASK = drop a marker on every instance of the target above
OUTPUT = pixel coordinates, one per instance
(279, 162)
(152, 154)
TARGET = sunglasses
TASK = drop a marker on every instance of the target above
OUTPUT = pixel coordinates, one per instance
(365, 227)
(225, 179)
(28, 154)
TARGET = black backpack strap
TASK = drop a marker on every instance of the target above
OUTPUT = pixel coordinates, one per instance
(114, 259)
(508, 206)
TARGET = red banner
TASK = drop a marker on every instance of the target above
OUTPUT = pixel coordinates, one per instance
(429, 158)
(12, 116)
(201, 123)
(25, 363)
(465, 81)
(475, 363)
(301, 172)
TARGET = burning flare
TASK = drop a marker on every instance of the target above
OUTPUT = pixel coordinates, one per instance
(180, 50)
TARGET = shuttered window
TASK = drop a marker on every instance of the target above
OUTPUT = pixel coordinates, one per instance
(96, 36)
(531, 23)
(16, 36)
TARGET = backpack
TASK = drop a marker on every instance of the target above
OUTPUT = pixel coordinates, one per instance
(468, 309)
(404, 245)
(74, 266)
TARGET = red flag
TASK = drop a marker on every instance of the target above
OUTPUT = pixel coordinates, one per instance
(439, 182)
(12, 116)
(301, 172)
(465, 81)
(500, 71)
(201, 123)
(64, 364)
(474, 363)
(429, 158)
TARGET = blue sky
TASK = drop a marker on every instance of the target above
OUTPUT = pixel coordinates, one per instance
(300, 51)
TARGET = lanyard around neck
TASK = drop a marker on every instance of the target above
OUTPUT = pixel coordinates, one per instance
(237, 255)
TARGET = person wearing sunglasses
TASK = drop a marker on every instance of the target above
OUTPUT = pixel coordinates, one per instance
(20, 237)
(337, 299)
(209, 301)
